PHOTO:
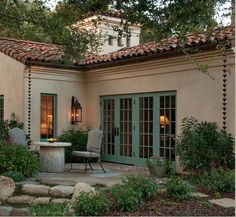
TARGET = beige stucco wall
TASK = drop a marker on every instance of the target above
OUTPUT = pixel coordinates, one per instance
(12, 86)
(62, 82)
(197, 94)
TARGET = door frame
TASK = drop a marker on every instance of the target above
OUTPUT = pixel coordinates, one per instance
(135, 159)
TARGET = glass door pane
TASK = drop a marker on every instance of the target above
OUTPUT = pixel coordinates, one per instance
(126, 127)
(109, 126)
(48, 119)
(146, 126)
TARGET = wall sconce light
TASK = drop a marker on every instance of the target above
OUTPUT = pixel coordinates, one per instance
(163, 121)
(76, 110)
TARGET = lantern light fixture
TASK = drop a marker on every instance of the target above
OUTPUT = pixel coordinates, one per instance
(76, 110)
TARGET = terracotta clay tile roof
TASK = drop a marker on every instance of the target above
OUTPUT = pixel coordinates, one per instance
(23, 50)
(164, 46)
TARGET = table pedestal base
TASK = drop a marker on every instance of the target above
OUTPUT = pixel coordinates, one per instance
(52, 159)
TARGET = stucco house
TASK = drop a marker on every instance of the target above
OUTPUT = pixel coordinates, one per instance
(137, 95)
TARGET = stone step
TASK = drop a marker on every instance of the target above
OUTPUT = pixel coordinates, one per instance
(11, 211)
(35, 189)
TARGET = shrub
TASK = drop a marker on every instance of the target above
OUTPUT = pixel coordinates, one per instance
(15, 175)
(78, 139)
(18, 158)
(146, 186)
(127, 199)
(48, 210)
(203, 147)
(6, 125)
(219, 181)
(178, 188)
(87, 204)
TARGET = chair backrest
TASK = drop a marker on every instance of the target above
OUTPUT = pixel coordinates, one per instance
(94, 140)
(17, 136)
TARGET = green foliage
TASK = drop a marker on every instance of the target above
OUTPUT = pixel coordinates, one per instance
(15, 175)
(178, 188)
(87, 204)
(127, 199)
(219, 181)
(6, 125)
(203, 147)
(78, 138)
(147, 187)
(18, 158)
(48, 210)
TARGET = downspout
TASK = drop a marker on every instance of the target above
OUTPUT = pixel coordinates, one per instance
(29, 103)
(224, 102)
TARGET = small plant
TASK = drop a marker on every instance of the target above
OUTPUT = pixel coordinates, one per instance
(222, 181)
(217, 195)
(48, 210)
(15, 175)
(146, 186)
(88, 204)
(78, 139)
(127, 199)
(168, 203)
(178, 188)
(18, 158)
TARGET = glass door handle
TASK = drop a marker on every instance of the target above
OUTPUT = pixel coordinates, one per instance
(117, 131)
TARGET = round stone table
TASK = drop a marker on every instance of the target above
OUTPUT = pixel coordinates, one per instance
(52, 156)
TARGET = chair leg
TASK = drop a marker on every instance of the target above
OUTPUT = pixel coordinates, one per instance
(90, 165)
(100, 161)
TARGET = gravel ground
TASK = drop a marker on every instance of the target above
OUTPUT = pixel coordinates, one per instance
(164, 205)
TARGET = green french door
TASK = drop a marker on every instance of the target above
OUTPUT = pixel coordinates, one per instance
(138, 126)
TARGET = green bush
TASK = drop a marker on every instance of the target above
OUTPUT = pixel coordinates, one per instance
(219, 181)
(15, 175)
(178, 188)
(87, 204)
(127, 199)
(78, 139)
(48, 210)
(146, 186)
(6, 125)
(203, 147)
(18, 158)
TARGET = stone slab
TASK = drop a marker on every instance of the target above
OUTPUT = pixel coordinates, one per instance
(224, 202)
(41, 200)
(35, 189)
(60, 201)
(23, 199)
(199, 194)
(20, 212)
(61, 191)
(5, 210)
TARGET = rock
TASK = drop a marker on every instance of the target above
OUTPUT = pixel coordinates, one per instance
(5, 210)
(7, 186)
(60, 201)
(82, 187)
(224, 202)
(41, 200)
(35, 189)
(17, 136)
(61, 191)
(20, 212)
(24, 199)
(199, 194)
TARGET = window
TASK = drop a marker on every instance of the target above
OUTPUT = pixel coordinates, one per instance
(119, 41)
(110, 40)
(1, 107)
(128, 42)
(48, 116)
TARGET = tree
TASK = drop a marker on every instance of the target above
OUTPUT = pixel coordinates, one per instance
(33, 20)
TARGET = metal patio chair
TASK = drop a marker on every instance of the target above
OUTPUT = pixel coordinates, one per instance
(94, 144)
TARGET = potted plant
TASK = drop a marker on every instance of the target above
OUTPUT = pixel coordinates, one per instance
(156, 166)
